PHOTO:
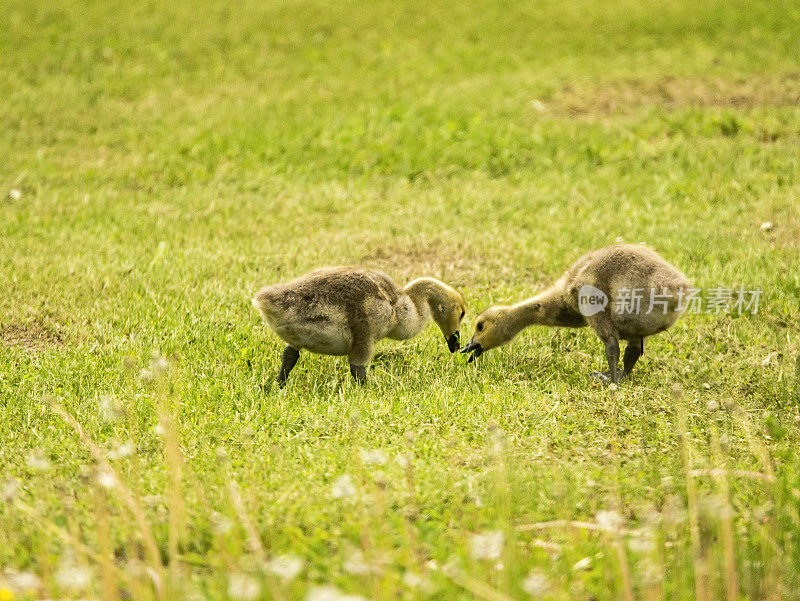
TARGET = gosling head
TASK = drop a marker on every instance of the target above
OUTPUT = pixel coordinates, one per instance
(491, 330)
(447, 312)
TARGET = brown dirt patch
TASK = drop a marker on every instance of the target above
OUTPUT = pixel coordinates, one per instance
(459, 265)
(619, 97)
(31, 337)
(417, 259)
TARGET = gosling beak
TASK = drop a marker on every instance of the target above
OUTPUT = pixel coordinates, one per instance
(452, 342)
(473, 346)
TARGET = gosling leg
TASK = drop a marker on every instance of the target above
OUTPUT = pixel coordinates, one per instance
(360, 357)
(605, 330)
(359, 373)
(612, 356)
(633, 351)
(290, 357)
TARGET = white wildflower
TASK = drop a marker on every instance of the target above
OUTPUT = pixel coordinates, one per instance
(106, 478)
(120, 450)
(324, 593)
(403, 460)
(158, 367)
(609, 520)
(537, 105)
(330, 593)
(643, 543)
(356, 565)
(14, 194)
(243, 587)
(412, 580)
(286, 567)
(22, 582)
(221, 524)
(536, 583)
(109, 408)
(374, 457)
(767, 226)
(343, 487)
(8, 490)
(37, 461)
(487, 545)
(73, 577)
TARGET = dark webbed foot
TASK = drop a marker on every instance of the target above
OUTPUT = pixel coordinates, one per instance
(290, 357)
(359, 373)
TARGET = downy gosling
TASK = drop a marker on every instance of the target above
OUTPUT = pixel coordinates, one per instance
(347, 310)
(592, 292)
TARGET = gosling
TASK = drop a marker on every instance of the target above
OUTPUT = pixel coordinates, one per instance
(623, 292)
(347, 310)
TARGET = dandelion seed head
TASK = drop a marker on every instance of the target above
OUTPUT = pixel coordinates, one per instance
(487, 545)
(23, 583)
(243, 587)
(109, 408)
(286, 567)
(14, 194)
(221, 524)
(73, 577)
(537, 105)
(9, 490)
(356, 565)
(536, 583)
(642, 544)
(330, 593)
(609, 520)
(343, 487)
(120, 450)
(38, 461)
(403, 460)
(415, 581)
(106, 478)
(373, 457)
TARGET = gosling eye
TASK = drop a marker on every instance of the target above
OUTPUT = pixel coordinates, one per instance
(479, 327)
(463, 312)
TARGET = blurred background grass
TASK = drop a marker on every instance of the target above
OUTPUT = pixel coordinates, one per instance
(162, 161)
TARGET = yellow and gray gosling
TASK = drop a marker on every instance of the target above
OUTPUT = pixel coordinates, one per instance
(608, 271)
(346, 310)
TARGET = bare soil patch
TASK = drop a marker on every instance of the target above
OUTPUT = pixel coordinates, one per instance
(459, 265)
(619, 97)
(32, 337)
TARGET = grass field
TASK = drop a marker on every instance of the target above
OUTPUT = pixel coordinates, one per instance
(162, 161)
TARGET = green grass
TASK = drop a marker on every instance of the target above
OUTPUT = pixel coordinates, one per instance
(171, 158)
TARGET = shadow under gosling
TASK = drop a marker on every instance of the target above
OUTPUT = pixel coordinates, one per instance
(347, 310)
(617, 275)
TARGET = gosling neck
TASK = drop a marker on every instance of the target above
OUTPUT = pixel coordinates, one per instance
(422, 292)
(546, 309)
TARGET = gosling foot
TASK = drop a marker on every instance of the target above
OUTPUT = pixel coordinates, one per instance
(359, 373)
